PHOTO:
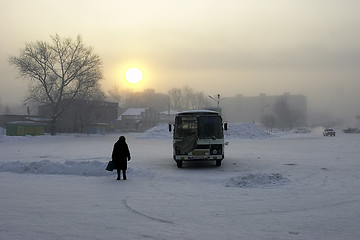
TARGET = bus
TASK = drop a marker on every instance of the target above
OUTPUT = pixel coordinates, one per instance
(198, 135)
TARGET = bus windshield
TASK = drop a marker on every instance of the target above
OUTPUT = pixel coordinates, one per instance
(202, 127)
(210, 127)
(185, 126)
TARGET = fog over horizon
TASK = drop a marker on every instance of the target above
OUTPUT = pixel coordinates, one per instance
(228, 48)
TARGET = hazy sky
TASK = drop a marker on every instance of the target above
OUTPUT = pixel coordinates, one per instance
(309, 47)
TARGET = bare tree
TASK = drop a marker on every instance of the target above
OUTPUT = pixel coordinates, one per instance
(59, 70)
(358, 120)
(282, 111)
(287, 117)
(120, 96)
(269, 121)
(176, 98)
(187, 98)
(7, 109)
(115, 93)
(200, 100)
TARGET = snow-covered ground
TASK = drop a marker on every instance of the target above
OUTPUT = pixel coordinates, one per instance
(288, 186)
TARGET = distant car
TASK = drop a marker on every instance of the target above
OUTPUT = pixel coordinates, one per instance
(302, 130)
(329, 132)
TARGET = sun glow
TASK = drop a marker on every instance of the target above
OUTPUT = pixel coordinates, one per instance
(133, 75)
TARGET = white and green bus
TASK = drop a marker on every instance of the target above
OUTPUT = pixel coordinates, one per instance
(198, 135)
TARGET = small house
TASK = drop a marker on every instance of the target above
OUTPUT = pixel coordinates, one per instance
(138, 119)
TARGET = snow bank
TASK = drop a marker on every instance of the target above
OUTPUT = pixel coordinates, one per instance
(246, 131)
(237, 131)
(160, 131)
(85, 168)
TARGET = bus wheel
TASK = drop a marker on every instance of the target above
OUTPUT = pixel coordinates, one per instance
(218, 163)
(179, 163)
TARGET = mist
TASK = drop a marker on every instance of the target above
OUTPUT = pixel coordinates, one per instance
(235, 47)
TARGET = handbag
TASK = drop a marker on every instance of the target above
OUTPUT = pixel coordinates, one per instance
(110, 166)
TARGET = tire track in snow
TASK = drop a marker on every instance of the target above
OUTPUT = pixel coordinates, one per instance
(144, 215)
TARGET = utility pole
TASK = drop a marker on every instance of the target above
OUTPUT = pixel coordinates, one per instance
(218, 100)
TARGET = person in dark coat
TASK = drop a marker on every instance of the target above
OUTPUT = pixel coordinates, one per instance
(120, 156)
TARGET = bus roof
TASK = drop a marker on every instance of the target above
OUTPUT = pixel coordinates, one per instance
(197, 112)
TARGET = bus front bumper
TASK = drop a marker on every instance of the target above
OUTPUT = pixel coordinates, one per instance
(197, 158)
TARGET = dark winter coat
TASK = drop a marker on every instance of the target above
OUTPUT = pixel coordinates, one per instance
(121, 154)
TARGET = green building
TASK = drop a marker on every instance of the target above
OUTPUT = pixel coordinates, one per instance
(23, 128)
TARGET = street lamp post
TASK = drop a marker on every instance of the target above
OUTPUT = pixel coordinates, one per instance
(218, 101)
(262, 115)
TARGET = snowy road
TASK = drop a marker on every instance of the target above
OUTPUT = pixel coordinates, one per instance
(298, 186)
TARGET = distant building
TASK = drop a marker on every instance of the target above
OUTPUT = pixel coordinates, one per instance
(254, 108)
(148, 99)
(81, 115)
(137, 119)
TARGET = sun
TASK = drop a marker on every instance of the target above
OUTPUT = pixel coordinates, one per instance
(133, 75)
